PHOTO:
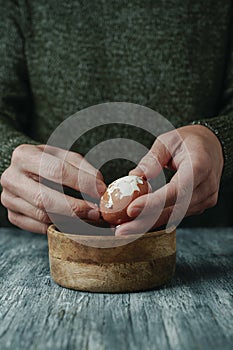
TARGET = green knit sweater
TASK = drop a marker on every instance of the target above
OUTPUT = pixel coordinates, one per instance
(58, 57)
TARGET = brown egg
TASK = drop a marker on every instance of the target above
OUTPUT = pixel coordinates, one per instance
(119, 195)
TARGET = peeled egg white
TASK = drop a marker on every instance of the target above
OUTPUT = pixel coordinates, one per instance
(119, 195)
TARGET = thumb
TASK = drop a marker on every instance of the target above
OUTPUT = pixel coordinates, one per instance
(153, 162)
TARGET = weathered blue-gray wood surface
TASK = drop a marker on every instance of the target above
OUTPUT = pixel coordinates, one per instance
(194, 311)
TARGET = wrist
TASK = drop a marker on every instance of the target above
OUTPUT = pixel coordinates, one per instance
(207, 130)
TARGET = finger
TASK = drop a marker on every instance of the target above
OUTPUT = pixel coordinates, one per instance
(173, 213)
(137, 226)
(50, 200)
(152, 163)
(191, 183)
(176, 215)
(207, 203)
(149, 203)
(27, 223)
(161, 154)
(145, 223)
(168, 195)
(203, 191)
(19, 205)
(180, 189)
(73, 158)
(62, 172)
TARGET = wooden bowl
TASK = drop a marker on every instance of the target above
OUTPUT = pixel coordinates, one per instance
(119, 266)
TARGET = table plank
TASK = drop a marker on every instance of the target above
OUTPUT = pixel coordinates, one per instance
(193, 311)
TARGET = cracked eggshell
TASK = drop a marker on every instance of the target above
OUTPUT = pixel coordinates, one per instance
(119, 195)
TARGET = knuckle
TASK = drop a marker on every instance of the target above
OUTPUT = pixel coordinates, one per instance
(199, 212)
(9, 179)
(152, 155)
(167, 213)
(5, 179)
(4, 199)
(185, 192)
(202, 167)
(77, 156)
(41, 215)
(162, 139)
(99, 175)
(174, 190)
(56, 169)
(213, 200)
(44, 229)
(12, 217)
(75, 209)
(177, 212)
(214, 186)
(198, 167)
(41, 146)
(38, 200)
(19, 151)
(182, 192)
(149, 204)
(169, 141)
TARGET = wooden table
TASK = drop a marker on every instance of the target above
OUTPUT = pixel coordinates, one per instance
(194, 311)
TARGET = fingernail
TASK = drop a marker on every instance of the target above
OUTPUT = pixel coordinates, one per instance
(140, 170)
(94, 206)
(100, 176)
(117, 230)
(135, 211)
(93, 214)
(144, 171)
(118, 233)
(101, 187)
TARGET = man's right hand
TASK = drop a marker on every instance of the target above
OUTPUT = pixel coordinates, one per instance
(27, 200)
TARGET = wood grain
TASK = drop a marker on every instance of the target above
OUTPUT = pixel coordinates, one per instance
(194, 311)
(78, 262)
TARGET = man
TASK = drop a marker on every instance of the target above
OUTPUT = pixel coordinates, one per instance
(58, 58)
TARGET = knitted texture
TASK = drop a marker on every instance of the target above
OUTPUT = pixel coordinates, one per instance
(58, 57)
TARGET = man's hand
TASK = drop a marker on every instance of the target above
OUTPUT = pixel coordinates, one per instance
(27, 200)
(196, 154)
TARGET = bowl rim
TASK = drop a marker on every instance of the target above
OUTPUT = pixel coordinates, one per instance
(167, 231)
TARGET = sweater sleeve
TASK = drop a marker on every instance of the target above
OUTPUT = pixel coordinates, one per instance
(222, 125)
(15, 97)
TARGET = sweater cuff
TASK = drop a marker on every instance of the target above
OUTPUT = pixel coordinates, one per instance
(222, 127)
